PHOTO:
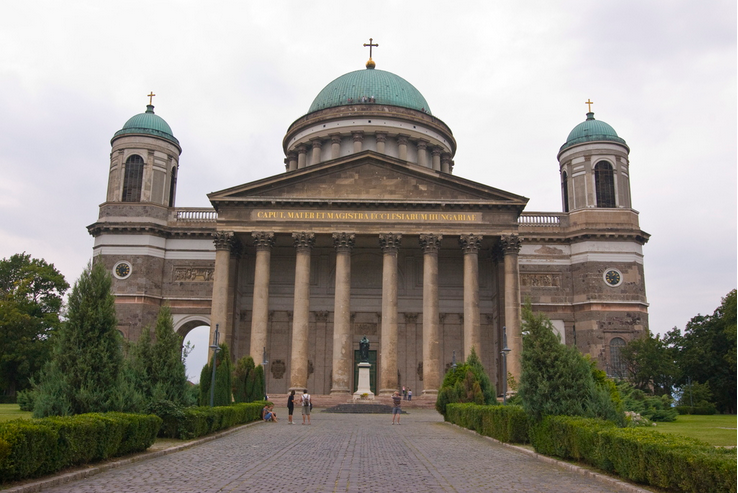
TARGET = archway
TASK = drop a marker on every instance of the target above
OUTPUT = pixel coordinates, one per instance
(195, 331)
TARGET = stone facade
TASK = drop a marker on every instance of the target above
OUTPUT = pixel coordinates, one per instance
(368, 233)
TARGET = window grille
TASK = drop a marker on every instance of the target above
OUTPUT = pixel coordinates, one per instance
(133, 179)
(617, 365)
(605, 184)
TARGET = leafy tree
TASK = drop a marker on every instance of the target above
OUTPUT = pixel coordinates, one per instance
(223, 375)
(707, 353)
(556, 379)
(650, 362)
(695, 394)
(84, 374)
(467, 382)
(31, 292)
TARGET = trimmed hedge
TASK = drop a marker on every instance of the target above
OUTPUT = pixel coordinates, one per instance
(708, 409)
(642, 455)
(504, 423)
(193, 422)
(30, 448)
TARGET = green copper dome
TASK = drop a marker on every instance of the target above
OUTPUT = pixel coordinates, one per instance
(148, 123)
(370, 86)
(591, 130)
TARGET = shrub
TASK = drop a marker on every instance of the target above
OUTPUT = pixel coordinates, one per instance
(706, 408)
(25, 399)
(504, 423)
(193, 422)
(467, 382)
(654, 408)
(30, 448)
(223, 371)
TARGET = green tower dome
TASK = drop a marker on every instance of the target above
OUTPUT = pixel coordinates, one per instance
(148, 123)
(370, 86)
(591, 130)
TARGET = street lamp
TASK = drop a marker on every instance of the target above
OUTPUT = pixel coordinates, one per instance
(453, 360)
(215, 349)
(504, 352)
(264, 366)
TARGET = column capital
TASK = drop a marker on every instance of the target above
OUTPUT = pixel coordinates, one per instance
(390, 242)
(223, 240)
(335, 138)
(411, 318)
(381, 136)
(263, 240)
(343, 242)
(402, 139)
(470, 243)
(436, 151)
(301, 149)
(430, 243)
(303, 240)
(510, 244)
(316, 143)
(358, 135)
(422, 144)
(291, 155)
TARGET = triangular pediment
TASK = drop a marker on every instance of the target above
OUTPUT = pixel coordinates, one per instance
(367, 177)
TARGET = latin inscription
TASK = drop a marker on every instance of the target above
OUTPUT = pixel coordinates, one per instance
(184, 274)
(541, 280)
(394, 217)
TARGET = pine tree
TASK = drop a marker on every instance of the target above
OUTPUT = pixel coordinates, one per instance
(556, 379)
(84, 373)
(223, 380)
(467, 382)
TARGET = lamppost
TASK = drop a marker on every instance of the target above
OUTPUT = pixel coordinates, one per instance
(453, 359)
(504, 352)
(215, 349)
(264, 366)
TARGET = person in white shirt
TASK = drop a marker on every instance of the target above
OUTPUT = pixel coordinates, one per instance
(306, 405)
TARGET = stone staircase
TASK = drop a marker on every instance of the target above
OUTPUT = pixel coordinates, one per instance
(325, 401)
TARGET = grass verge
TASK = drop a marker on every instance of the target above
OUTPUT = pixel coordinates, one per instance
(718, 429)
(12, 411)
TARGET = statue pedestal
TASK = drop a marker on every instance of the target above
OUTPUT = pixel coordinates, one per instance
(364, 390)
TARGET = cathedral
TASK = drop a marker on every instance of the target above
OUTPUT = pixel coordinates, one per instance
(369, 231)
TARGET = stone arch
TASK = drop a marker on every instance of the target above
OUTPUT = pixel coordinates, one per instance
(185, 323)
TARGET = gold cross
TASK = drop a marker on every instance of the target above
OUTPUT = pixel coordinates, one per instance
(589, 105)
(151, 96)
(370, 47)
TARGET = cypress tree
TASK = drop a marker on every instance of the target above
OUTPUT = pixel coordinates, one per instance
(223, 378)
(84, 373)
(241, 379)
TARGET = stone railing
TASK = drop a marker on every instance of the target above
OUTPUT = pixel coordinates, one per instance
(536, 220)
(196, 215)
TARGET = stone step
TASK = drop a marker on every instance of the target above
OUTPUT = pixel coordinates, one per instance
(324, 401)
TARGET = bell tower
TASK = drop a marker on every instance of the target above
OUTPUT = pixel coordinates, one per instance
(594, 167)
(144, 161)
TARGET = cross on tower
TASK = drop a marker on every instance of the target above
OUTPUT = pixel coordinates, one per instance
(589, 105)
(151, 97)
(370, 44)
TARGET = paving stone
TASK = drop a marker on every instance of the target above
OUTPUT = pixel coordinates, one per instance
(344, 453)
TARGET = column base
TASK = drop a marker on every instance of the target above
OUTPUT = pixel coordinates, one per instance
(430, 393)
(340, 392)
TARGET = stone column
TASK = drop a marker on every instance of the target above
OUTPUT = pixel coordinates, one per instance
(510, 246)
(342, 348)
(445, 162)
(301, 313)
(423, 155)
(301, 156)
(335, 145)
(317, 146)
(390, 244)
(431, 331)
(219, 307)
(402, 143)
(472, 337)
(381, 139)
(436, 153)
(263, 242)
(358, 137)
(292, 160)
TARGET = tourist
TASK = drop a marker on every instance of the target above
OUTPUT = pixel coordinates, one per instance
(268, 414)
(306, 406)
(290, 407)
(409, 394)
(404, 393)
(397, 401)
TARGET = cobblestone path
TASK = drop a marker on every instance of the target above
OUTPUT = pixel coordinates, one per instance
(341, 452)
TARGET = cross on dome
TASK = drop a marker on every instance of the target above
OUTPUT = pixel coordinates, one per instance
(151, 97)
(370, 63)
(589, 105)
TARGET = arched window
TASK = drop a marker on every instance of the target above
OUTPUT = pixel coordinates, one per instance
(133, 179)
(172, 187)
(617, 365)
(604, 184)
(565, 190)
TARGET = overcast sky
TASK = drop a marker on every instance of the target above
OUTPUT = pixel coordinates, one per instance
(509, 78)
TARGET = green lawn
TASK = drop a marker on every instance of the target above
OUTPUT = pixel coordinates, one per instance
(12, 411)
(718, 429)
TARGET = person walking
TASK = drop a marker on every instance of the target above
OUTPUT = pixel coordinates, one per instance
(306, 406)
(397, 401)
(290, 407)
(409, 394)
